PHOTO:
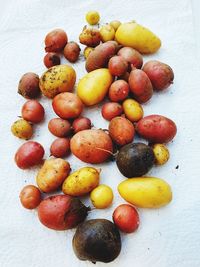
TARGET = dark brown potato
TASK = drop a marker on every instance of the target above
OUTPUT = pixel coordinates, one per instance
(59, 127)
(81, 124)
(29, 85)
(60, 147)
(30, 197)
(51, 59)
(118, 91)
(90, 37)
(111, 110)
(132, 56)
(71, 51)
(33, 111)
(117, 66)
(134, 160)
(55, 40)
(97, 240)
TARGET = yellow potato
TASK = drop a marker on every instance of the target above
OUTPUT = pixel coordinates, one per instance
(92, 17)
(107, 33)
(115, 24)
(93, 87)
(136, 36)
(161, 153)
(133, 110)
(22, 129)
(146, 192)
(57, 79)
(81, 181)
(101, 196)
(52, 174)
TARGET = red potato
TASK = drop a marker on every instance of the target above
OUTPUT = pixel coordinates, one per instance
(55, 40)
(59, 127)
(126, 218)
(29, 85)
(60, 147)
(117, 66)
(81, 124)
(132, 56)
(140, 86)
(156, 128)
(160, 74)
(111, 110)
(92, 146)
(30, 197)
(67, 105)
(33, 111)
(121, 131)
(51, 59)
(71, 51)
(61, 212)
(29, 154)
(118, 91)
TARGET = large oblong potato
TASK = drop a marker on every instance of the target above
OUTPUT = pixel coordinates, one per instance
(81, 182)
(93, 87)
(52, 174)
(146, 192)
(57, 79)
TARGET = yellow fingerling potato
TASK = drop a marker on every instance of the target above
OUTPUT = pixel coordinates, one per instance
(107, 33)
(57, 79)
(93, 87)
(161, 153)
(22, 129)
(133, 110)
(102, 196)
(92, 17)
(136, 36)
(81, 181)
(146, 192)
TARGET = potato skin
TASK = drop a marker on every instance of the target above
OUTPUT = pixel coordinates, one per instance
(57, 79)
(156, 129)
(140, 86)
(81, 182)
(91, 146)
(52, 174)
(146, 192)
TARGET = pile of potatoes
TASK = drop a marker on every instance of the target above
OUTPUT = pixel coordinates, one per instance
(116, 75)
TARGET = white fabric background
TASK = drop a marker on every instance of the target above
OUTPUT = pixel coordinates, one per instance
(167, 237)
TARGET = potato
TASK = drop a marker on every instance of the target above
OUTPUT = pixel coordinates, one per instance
(60, 147)
(93, 87)
(117, 66)
(55, 40)
(115, 24)
(52, 174)
(92, 17)
(99, 57)
(146, 192)
(33, 111)
(102, 196)
(110, 110)
(29, 85)
(121, 131)
(132, 56)
(59, 127)
(140, 86)
(136, 36)
(161, 154)
(107, 33)
(156, 128)
(71, 51)
(30, 197)
(118, 91)
(81, 182)
(22, 129)
(51, 59)
(91, 146)
(90, 37)
(81, 124)
(133, 110)
(57, 79)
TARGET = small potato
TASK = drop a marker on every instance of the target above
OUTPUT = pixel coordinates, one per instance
(102, 196)
(140, 86)
(81, 182)
(132, 56)
(33, 111)
(87, 51)
(133, 110)
(90, 37)
(52, 174)
(118, 91)
(115, 24)
(107, 33)
(55, 40)
(29, 85)
(121, 131)
(67, 105)
(117, 66)
(81, 124)
(30, 197)
(51, 59)
(71, 51)
(92, 17)
(60, 147)
(59, 127)
(111, 110)
(161, 154)
(22, 129)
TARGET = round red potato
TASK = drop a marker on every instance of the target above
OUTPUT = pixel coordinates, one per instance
(51, 59)
(29, 85)
(30, 197)
(55, 40)
(117, 66)
(71, 51)
(160, 74)
(29, 154)
(156, 128)
(121, 131)
(111, 110)
(126, 218)
(132, 56)
(140, 85)
(33, 111)
(67, 105)
(59, 127)
(118, 91)
(61, 212)
(60, 147)
(81, 124)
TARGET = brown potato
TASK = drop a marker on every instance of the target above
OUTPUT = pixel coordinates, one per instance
(90, 37)
(29, 85)
(117, 66)
(59, 127)
(60, 147)
(132, 56)
(55, 40)
(81, 124)
(30, 197)
(51, 59)
(71, 51)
